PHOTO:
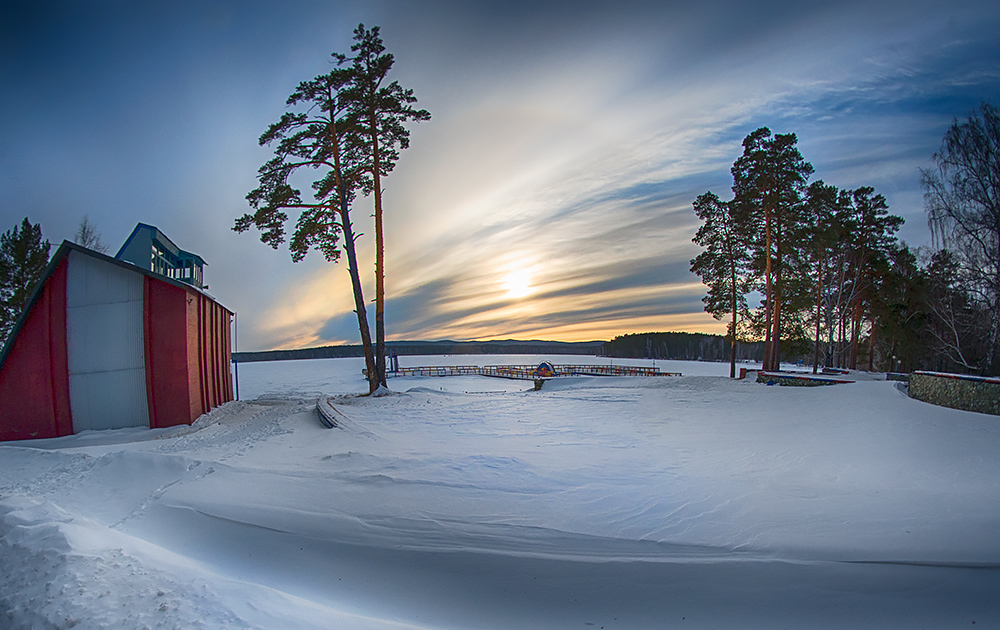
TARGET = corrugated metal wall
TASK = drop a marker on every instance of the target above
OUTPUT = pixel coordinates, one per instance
(187, 353)
(34, 391)
(105, 348)
(166, 354)
(213, 353)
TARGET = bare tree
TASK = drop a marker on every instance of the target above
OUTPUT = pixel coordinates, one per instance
(962, 197)
(88, 236)
(957, 324)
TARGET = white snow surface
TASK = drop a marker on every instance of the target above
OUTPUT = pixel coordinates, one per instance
(470, 502)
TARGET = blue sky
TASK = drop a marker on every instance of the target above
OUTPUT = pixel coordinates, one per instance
(550, 194)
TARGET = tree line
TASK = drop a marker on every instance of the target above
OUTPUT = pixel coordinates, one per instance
(348, 125)
(680, 346)
(812, 268)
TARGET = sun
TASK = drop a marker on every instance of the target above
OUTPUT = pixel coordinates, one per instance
(518, 284)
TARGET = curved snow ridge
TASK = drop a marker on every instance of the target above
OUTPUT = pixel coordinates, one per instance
(547, 543)
(942, 564)
(62, 570)
(326, 532)
(441, 535)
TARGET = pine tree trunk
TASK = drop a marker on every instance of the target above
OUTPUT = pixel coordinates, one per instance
(768, 295)
(831, 326)
(871, 347)
(834, 314)
(732, 327)
(776, 335)
(855, 332)
(379, 254)
(776, 320)
(841, 335)
(859, 291)
(352, 265)
(819, 299)
(732, 352)
(359, 299)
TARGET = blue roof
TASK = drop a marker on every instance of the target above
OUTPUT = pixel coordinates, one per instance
(161, 239)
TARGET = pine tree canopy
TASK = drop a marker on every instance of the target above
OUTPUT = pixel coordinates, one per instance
(23, 257)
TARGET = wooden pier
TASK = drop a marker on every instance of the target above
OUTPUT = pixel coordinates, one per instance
(528, 372)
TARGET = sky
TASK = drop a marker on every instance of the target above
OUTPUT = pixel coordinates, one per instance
(549, 196)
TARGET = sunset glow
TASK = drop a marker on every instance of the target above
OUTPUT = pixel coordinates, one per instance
(518, 284)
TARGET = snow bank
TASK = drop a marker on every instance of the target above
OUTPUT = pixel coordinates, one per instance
(616, 502)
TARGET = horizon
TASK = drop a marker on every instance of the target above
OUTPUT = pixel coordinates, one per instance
(549, 196)
(500, 341)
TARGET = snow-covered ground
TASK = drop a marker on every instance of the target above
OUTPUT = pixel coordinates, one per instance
(470, 502)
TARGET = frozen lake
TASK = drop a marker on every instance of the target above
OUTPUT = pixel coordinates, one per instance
(337, 376)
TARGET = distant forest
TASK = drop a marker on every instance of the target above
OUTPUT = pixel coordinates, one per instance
(657, 345)
(681, 346)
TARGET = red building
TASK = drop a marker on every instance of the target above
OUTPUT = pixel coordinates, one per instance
(105, 344)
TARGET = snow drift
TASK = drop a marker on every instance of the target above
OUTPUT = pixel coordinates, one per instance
(470, 502)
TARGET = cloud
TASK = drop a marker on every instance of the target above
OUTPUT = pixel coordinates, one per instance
(593, 194)
(343, 329)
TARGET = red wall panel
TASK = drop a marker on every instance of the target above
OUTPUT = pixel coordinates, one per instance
(165, 312)
(223, 366)
(196, 405)
(209, 338)
(188, 356)
(34, 380)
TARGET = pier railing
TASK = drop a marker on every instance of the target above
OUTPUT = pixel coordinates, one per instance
(528, 372)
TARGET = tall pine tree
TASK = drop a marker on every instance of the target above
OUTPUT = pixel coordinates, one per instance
(723, 266)
(324, 137)
(823, 208)
(874, 240)
(769, 180)
(381, 110)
